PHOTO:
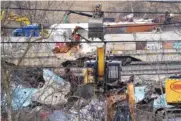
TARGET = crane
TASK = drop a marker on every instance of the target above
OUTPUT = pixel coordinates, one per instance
(96, 19)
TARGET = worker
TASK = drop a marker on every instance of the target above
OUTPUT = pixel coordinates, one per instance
(167, 18)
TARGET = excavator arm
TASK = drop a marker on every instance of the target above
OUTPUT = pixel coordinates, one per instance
(2, 14)
(78, 13)
(17, 18)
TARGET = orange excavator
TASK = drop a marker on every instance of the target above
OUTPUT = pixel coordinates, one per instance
(96, 18)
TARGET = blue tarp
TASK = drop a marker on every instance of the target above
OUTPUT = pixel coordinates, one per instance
(140, 93)
(160, 102)
(22, 97)
(49, 75)
(28, 31)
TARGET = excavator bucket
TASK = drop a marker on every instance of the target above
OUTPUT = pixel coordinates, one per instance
(95, 28)
(82, 32)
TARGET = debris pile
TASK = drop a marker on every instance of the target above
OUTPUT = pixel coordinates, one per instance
(66, 100)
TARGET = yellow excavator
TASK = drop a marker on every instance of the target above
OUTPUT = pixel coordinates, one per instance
(106, 71)
(28, 29)
(13, 17)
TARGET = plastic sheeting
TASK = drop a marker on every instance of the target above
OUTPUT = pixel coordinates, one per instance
(21, 97)
(59, 115)
(54, 90)
(140, 93)
(50, 76)
(160, 102)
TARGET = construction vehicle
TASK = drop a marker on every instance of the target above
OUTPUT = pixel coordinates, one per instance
(33, 30)
(165, 100)
(120, 105)
(28, 29)
(172, 97)
(106, 72)
(23, 19)
(96, 20)
(74, 12)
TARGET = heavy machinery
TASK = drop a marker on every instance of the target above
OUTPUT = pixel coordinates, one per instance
(13, 17)
(105, 73)
(28, 29)
(96, 20)
(97, 13)
(74, 12)
(165, 100)
(33, 30)
(23, 19)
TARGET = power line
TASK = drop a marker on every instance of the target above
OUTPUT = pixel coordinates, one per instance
(162, 1)
(9, 42)
(64, 10)
(107, 26)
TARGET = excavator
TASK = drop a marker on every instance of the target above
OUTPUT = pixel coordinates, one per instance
(96, 20)
(104, 72)
(28, 29)
(96, 24)
(17, 18)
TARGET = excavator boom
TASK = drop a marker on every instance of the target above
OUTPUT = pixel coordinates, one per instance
(16, 18)
(2, 14)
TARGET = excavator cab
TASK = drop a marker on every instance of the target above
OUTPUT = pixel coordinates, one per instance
(104, 70)
(107, 72)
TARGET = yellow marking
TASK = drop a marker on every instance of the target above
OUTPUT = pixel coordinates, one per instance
(101, 63)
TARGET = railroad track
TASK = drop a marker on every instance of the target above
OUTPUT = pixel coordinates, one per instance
(136, 68)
